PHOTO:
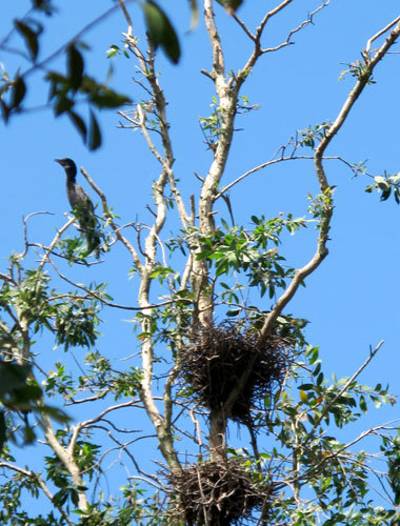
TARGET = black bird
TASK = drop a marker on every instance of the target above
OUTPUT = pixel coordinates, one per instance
(82, 207)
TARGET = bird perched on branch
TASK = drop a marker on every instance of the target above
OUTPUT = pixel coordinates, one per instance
(82, 207)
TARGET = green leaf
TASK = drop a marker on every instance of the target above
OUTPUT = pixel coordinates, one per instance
(62, 105)
(75, 66)
(306, 387)
(313, 354)
(161, 31)
(112, 51)
(94, 136)
(363, 404)
(79, 124)
(231, 6)
(194, 8)
(101, 95)
(45, 6)
(55, 413)
(30, 36)
(5, 110)
(18, 92)
(60, 497)
(303, 396)
(317, 370)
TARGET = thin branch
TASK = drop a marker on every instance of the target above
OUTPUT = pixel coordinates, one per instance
(349, 382)
(259, 51)
(54, 242)
(94, 398)
(127, 17)
(255, 169)
(218, 56)
(68, 461)
(150, 478)
(197, 428)
(344, 447)
(8, 279)
(25, 221)
(288, 40)
(37, 478)
(343, 390)
(278, 160)
(243, 26)
(118, 305)
(380, 33)
(354, 95)
(7, 37)
(87, 423)
(326, 214)
(322, 251)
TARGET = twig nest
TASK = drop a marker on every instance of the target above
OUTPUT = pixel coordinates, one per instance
(218, 494)
(216, 358)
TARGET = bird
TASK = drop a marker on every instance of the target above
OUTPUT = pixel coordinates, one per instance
(82, 207)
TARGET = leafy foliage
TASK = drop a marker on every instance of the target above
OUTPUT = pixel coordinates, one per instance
(312, 135)
(386, 185)
(160, 30)
(231, 5)
(391, 449)
(300, 465)
(253, 252)
(359, 70)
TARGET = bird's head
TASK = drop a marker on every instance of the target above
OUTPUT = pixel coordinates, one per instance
(66, 163)
(69, 166)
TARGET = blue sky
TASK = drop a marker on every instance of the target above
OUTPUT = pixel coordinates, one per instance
(352, 301)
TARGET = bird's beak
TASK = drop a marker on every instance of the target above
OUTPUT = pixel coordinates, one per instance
(58, 161)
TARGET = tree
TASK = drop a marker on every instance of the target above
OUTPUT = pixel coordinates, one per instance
(217, 346)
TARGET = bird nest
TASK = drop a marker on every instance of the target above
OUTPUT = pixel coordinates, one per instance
(214, 361)
(218, 494)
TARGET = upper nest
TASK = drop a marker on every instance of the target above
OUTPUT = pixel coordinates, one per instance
(218, 494)
(214, 362)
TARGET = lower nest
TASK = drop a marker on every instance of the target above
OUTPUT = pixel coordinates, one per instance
(218, 494)
(216, 358)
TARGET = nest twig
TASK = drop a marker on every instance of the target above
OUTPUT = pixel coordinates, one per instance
(215, 359)
(218, 494)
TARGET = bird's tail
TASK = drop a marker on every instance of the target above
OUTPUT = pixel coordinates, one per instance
(93, 241)
(90, 228)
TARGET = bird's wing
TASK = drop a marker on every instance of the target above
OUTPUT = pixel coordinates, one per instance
(83, 200)
(88, 221)
(83, 208)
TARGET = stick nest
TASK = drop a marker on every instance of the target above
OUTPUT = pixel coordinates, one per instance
(218, 494)
(214, 362)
